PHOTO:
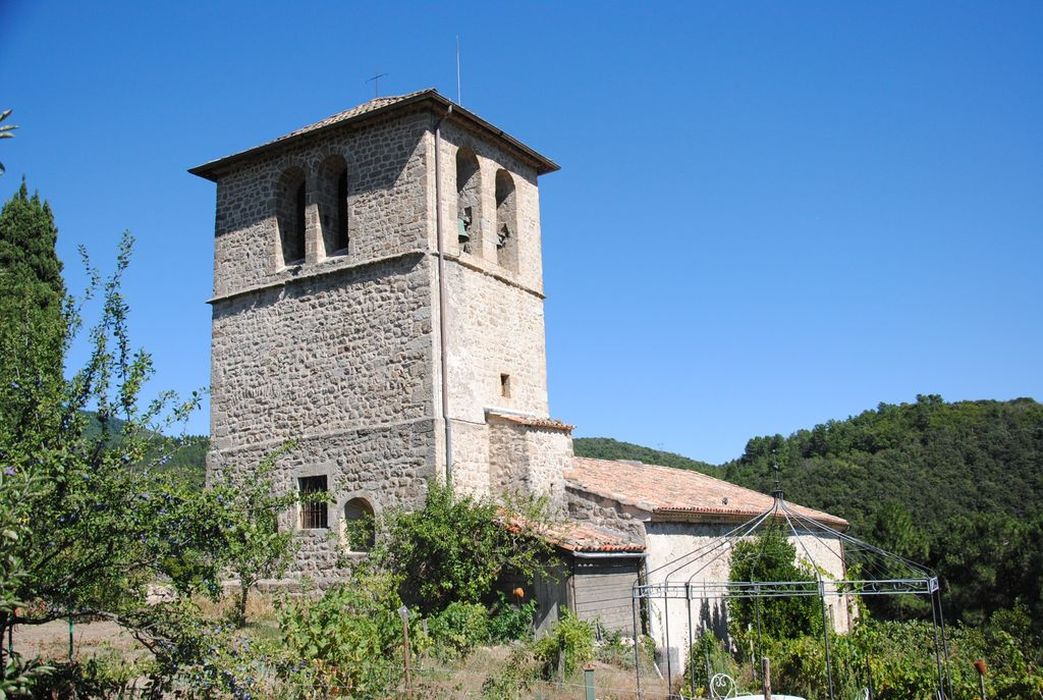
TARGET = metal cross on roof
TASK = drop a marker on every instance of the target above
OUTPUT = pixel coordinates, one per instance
(376, 83)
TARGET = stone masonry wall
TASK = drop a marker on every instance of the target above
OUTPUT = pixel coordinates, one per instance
(494, 329)
(471, 466)
(492, 158)
(388, 466)
(333, 352)
(528, 461)
(588, 507)
(387, 204)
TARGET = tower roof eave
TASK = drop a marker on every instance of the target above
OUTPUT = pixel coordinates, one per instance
(377, 108)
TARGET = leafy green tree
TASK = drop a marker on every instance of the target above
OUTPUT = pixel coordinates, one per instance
(101, 532)
(770, 557)
(254, 547)
(95, 533)
(454, 549)
(955, 486)
(32, 320)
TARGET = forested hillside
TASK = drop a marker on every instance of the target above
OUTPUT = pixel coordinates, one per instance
(937, 459)
(958, 486)
(607, 448)
(183, 457)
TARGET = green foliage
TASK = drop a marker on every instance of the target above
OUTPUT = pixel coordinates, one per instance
(33, 328)
(457, 630)
(509, 621)
(348, 639)
(707, 657)
(896, 658)
(516, 678)
(252, 544)
(89, 521)
(360, 533)
(106, 675)
(607, 448)
(568, 644)
(958, 486)
(769, 557)
(100, 533)
(6, 131)
(454, 549)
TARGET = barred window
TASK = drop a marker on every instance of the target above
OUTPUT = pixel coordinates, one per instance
(314, 512)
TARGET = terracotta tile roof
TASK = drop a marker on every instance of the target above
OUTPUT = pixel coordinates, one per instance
(574, 535)
(543, 164)
(676, 493)
(531, 421)
(577, 536)
(348, 114)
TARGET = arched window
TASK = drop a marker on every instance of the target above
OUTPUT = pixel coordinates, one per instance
(359, 525)
(506, 221)
(290, 214)
(468, 202)
(333, 205)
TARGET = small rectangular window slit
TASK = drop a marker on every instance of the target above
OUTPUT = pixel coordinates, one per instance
(314, 512)
(505, 386)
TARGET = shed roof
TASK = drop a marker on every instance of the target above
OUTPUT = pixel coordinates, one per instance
(380, 106)
(575, 536)
(676, 494)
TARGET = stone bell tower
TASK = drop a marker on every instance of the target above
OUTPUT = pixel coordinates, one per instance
(378, 298)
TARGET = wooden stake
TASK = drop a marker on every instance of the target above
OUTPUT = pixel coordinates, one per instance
(404, 613)
(766, 677)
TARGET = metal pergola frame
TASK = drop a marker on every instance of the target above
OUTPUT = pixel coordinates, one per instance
(895, 575)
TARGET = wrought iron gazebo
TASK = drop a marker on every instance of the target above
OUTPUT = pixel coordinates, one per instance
(841, 568)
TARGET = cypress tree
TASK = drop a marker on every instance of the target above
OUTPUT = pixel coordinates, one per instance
(33, 323)
(27, 256)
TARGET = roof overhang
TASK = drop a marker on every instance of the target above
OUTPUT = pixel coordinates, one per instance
(214, 169)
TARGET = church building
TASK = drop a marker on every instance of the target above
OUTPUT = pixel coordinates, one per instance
(378, 298)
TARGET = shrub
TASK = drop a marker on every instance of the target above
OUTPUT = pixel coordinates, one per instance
(458, 629)
(708, 657)
(769, 557)
(515, 679)
(569, 644)
(348, 640)
(454, 549)
(509, 622)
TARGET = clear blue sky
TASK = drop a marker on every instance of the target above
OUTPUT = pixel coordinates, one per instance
(768, 214)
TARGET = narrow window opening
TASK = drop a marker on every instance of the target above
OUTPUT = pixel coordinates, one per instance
(359, 525)
(468, 201)
(299, 218)
(291, 209)
(332, 191)
(314, 509)
(342, 211)
(506, 221)
(505, 386)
